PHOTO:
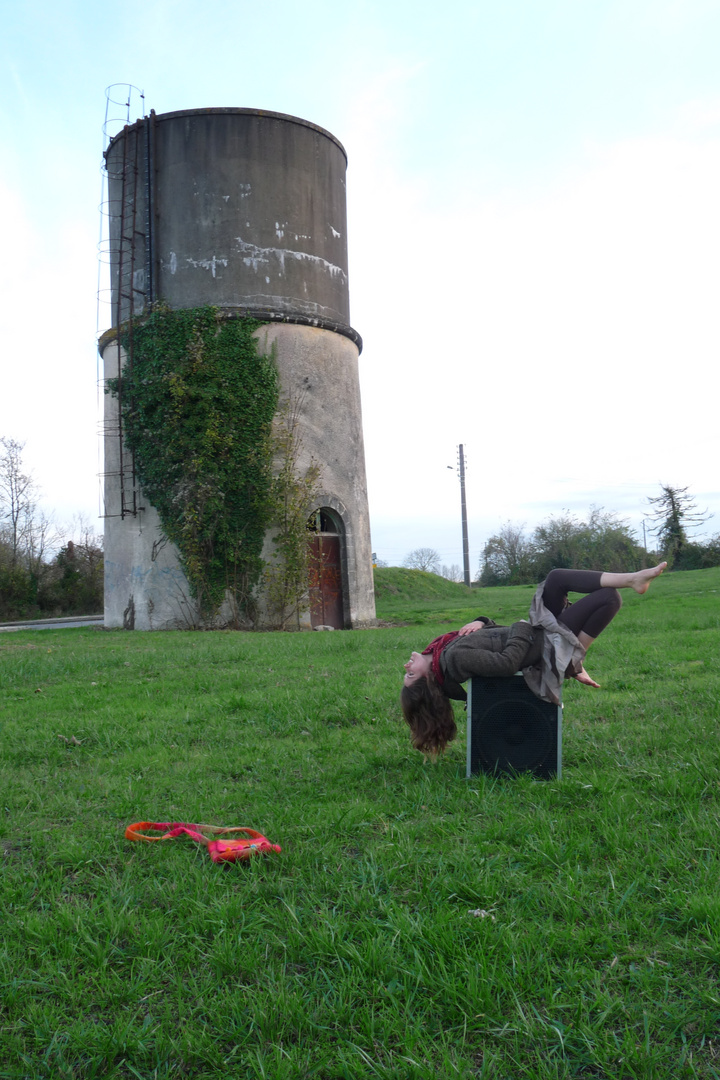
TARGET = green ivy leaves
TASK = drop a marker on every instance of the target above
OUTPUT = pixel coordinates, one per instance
(198, 403)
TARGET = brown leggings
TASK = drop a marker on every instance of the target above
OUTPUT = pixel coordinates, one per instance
(589, 615)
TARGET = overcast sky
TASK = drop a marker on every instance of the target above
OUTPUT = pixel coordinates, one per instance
(534, 235)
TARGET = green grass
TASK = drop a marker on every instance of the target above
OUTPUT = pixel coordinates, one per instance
(413, 596)
(355, 953)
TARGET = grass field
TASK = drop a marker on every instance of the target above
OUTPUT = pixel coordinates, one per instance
(416, 924)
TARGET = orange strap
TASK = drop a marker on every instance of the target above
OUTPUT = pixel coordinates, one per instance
(171, 830)
(219, 850)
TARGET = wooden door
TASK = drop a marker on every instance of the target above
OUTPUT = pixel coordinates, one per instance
(326, 599)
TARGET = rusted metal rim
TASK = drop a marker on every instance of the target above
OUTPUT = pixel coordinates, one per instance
(160, 117)
(263, 315)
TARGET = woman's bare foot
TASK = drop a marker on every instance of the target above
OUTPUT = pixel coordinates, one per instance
(583, 677)
(641, 580)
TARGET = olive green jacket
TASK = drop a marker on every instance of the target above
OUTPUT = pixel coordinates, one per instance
(492, 651)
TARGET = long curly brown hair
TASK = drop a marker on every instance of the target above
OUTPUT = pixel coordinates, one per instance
(429, 716)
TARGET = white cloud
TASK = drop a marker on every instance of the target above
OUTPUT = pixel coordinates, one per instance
(568, 329)
(47, 329)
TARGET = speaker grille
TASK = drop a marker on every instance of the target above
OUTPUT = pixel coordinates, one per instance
(510, 730)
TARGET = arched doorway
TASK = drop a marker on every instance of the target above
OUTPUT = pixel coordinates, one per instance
(325, 570)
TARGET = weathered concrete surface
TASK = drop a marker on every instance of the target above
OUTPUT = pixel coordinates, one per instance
(319, 376)
(248, 212)
(244, 210)
(145, 588)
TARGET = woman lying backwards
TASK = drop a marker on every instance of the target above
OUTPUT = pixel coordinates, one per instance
(547, 649)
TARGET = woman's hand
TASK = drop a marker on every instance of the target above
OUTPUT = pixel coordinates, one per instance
(471, 627)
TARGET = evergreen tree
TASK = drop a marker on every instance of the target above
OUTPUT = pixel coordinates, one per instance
(676, 512)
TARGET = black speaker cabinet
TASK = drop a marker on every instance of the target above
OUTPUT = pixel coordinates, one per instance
(510, 730)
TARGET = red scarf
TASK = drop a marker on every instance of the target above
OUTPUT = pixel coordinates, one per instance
(435, 648)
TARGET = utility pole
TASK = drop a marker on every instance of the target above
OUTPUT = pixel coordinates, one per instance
(463, 506)
(644, 558)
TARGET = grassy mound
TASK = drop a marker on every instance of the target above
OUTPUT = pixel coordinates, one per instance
(395, 582)
(414, 596)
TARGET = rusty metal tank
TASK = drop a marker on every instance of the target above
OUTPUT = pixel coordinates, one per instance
(239, 208)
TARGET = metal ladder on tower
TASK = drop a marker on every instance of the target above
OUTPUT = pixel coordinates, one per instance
(134, 277)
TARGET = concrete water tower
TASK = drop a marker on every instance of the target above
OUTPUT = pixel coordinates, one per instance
(245, 210)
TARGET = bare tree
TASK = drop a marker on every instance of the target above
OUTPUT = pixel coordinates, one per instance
(40, 537)
(17, 498)
(452, 573)
(423, 559)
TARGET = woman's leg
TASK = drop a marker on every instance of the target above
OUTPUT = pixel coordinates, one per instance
(560, 582)
(590, 615)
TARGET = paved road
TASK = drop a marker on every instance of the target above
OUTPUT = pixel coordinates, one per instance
(54, 624)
